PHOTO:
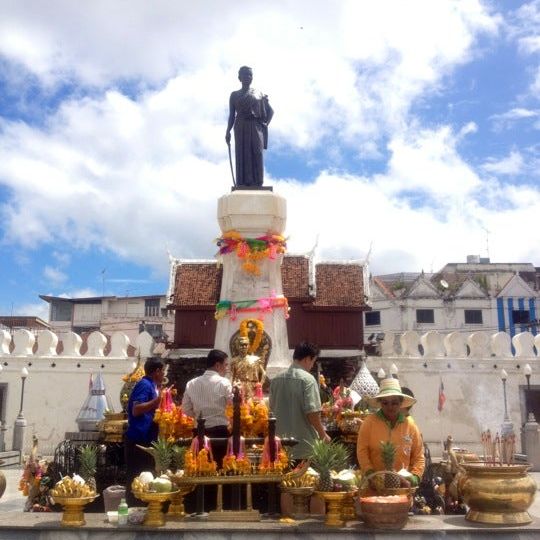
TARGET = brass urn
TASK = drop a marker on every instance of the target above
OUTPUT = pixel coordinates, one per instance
(497, 494)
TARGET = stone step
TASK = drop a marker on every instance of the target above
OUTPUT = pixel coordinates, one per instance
(10, 458)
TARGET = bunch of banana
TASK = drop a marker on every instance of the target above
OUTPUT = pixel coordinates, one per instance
(139, 485)
(68, 487)
(306, 480)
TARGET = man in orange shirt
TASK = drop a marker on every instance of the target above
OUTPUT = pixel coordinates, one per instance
(390, 424)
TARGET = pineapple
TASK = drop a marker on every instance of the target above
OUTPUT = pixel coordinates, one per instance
(163, 454)
(87, 464)
(325, 458)
(177, 457)
(388, 455)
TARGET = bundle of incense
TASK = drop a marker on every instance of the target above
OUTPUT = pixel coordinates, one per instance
(498, 449)
(504, 448)
(489, 446)
(511, 448)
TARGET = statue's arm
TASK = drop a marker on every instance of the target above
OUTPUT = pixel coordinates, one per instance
(269, 110)
(230, 123)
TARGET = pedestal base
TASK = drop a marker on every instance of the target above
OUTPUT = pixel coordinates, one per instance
(235, 515)
(510, 518)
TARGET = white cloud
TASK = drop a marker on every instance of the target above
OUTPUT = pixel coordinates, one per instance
(513, 164)
(39, 309)
(54, 276)
(85, 292)
(509, 118)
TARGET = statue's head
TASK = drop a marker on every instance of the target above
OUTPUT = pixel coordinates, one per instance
(245, 74)
(243, 345)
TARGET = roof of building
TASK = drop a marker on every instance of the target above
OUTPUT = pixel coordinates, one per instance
(96, 299)
(196, 284)
(337, 284)
(490, 277)
(23, 321)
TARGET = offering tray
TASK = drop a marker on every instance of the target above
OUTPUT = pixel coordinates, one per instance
(73, 515)
(249, 513)
(155, 499)
(217, 479)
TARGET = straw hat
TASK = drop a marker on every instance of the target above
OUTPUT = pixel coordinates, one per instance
(388, 388)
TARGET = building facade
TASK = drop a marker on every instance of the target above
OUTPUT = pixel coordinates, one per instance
(108, 314)
(463, 297)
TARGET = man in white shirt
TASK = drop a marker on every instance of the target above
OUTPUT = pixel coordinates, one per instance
(208, 395)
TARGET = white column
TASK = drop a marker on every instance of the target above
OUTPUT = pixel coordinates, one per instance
(253, 214)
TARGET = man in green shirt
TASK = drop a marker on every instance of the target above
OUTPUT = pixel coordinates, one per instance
(296, 402)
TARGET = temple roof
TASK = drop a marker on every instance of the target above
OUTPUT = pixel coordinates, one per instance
(197, 284)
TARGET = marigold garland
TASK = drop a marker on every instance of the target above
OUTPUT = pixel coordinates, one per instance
(252, 250)
(244, 328)
(253, 417)
(170, 418)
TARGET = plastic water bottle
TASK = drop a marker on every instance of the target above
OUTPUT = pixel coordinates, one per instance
(123, 512)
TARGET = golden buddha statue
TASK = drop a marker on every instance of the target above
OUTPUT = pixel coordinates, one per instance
(247, 370)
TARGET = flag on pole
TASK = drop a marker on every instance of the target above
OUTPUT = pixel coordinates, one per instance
(90, 383)
(442, 397)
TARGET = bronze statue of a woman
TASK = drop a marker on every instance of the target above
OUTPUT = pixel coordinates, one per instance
(249, 113)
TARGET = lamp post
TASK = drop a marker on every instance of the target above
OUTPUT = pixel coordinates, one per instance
(19, 428)
(507, 426)
(527, 370)
(394, 371)
(381, 374)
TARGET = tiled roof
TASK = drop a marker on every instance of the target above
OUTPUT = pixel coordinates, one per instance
(384, 288)
(197, 284)
(295, 276)
(339, 285)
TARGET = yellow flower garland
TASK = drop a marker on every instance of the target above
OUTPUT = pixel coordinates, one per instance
(258, 334)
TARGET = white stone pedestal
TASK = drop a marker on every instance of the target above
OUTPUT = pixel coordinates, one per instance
(253, 214)
(531, 439)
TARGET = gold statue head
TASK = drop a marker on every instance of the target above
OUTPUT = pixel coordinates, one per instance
(243, 345)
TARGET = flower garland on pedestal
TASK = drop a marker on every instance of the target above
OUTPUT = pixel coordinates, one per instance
(252, 250)
(262, 306)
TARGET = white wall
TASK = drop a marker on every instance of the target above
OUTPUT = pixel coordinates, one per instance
(53, 395)
(471, 378)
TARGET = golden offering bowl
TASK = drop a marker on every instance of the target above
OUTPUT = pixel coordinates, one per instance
(334, 502)
(300, 496)
(154, 514)
(176, 508)
(348, 511)
(73, 515)
(497, 494)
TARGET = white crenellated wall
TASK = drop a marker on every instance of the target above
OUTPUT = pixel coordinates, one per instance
(58, 384)
(469, 366)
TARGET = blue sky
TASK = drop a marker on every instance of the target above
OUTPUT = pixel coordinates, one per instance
(411, 127)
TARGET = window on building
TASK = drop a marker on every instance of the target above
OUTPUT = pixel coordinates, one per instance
(155, 330)
(373, 318)
(520, 316)
(61, 311)
(425, 316)
(151, 307)
(473, 316)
